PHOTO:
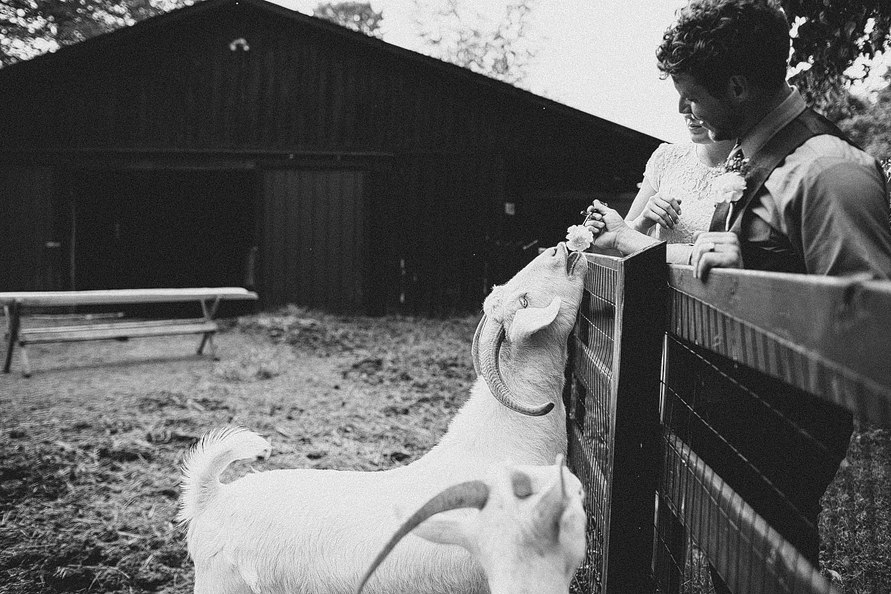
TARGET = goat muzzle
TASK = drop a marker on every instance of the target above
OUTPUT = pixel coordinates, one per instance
(572, 258)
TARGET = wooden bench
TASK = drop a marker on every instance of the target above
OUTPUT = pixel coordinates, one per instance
(112, 328)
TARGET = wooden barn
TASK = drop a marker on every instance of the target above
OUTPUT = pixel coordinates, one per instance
(236, 142)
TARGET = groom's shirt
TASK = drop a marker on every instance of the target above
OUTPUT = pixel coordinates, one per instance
(827, 197)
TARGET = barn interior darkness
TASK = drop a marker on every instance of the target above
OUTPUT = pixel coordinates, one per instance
(155, 228)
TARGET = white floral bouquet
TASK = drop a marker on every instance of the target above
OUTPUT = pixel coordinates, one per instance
(579, 238)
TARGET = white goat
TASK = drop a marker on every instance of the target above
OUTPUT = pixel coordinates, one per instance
(312, 531)
(529, 535)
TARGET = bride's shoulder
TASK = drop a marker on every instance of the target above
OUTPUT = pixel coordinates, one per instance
(669, 153)
(670, 149)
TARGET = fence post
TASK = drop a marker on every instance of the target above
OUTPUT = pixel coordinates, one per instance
(613, 415)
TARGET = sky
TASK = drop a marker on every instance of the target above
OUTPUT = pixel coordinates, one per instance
(598, 56)
(594, 55)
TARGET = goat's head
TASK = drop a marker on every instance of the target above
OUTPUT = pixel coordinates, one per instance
(529, 535)
(540, 301)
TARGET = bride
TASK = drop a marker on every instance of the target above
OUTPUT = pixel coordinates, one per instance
(676, 198)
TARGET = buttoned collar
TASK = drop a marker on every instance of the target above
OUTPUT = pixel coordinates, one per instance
(785, 112)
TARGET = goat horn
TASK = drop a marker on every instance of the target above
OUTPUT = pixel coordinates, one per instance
(551, 505)
(475, 345)
(561, 464)
(491, 372)
(468, 494)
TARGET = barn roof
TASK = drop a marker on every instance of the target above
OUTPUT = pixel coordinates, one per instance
(181, 17)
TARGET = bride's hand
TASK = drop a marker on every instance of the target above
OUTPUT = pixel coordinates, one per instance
(606, 224)
(658, 211)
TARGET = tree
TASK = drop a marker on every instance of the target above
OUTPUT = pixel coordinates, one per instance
(358, 16)
(868, 122)
(31, 27)
(457, 35)
(828, 38)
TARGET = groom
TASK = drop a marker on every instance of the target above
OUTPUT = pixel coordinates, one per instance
(814, 203)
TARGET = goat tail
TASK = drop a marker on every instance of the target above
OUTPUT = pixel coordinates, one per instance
(207, 460)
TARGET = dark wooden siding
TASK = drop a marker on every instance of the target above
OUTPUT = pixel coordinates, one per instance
(431, 237)
(314, 238)
(29, 250)
(301, 87)
(439, 150)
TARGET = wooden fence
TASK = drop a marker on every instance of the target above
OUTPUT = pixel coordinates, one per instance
(701, 416)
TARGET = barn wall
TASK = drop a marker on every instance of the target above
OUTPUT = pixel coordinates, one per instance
(301, 87)
(30, 252)
(441, 150)
(314, 235)
(433, 238)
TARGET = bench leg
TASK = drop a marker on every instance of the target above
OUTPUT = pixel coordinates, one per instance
(207, 338)
(13, 321)
(26, 364)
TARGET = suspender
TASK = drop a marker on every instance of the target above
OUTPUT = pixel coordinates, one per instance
(807, 125)
(762, 164)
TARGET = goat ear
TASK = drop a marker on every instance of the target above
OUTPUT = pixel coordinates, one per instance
(532, 319)
(456, 527)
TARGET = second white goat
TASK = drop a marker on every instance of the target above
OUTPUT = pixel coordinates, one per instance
(314, 531)
(529, 535)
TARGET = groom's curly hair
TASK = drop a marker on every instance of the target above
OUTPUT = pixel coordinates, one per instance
(713, 40)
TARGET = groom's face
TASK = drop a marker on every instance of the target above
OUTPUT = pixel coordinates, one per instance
(717, 114)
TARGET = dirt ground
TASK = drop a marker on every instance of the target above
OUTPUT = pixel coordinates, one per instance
(90, 445)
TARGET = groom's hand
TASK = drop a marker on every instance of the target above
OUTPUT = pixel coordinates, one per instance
(715, 249)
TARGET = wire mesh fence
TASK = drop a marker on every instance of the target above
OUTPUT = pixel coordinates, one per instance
(763, 378)
(612, 447)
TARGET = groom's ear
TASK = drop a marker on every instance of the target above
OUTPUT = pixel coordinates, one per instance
(738, 89)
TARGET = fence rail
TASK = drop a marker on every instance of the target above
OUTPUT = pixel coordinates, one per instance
(667, 375)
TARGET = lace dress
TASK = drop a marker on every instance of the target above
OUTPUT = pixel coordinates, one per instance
(676, 172)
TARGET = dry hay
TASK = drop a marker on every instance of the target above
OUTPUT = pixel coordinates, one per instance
(90, 446)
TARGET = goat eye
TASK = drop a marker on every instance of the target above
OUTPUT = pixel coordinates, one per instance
(524, 302)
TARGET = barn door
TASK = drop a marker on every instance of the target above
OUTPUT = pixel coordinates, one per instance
(313, 239)
(30, 250)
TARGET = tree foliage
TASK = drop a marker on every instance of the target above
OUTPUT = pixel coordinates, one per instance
(358, 16)
(829, 36)
(868, 122)
(31, 27)
(458, 35)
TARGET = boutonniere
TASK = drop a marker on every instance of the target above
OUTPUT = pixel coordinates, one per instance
(731, 184)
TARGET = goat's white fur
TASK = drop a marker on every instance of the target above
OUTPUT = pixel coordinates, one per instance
(315, 531)
(529, 532)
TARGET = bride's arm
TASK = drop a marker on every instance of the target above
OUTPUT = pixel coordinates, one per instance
(635, 218)
(612, 232)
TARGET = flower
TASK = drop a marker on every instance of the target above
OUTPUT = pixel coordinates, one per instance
(579, 238)
(729, 186)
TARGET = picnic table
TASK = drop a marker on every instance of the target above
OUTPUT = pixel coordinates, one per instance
(104, 328)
